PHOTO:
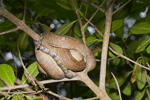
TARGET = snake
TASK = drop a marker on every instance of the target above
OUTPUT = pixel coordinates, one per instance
(63, 43)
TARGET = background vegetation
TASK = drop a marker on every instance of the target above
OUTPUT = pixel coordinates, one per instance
(128, 45)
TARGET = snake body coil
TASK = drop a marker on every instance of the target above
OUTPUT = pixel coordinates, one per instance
(61, 60)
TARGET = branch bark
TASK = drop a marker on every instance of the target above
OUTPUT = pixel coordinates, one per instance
(109, 13)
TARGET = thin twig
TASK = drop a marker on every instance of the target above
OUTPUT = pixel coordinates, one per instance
(4, 82)
(80, 5)
(109, 58)
(4, 93)
(8, 85)
(147, 76)
(27, 74)
(25, 8)
(94, 14)
(41, 82)
(124, 52)
(35, 92)
(92, 4)
(50, 92)
(148, 65)
(80, 22)
(93, 26)
(9, 31)
(18, 81)
(128, 59)
(117, 85)
(121, 6)
(94, 98)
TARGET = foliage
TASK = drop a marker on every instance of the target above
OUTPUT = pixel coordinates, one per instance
(131, 77)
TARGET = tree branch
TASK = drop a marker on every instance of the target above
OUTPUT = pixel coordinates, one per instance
(108, 14)
(100, 93)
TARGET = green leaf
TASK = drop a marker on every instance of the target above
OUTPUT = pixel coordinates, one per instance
(17, 98)
(12, 46)
(93, 1)
(139, 94)
(1, 84)
(45, 27)
(115, 61)
(148, 16)
(116, 24)
(6, 25)
(117, 48)
(77, 29)
(148, 49)
(120, 32)
(101, 27)
(135, 9)
(113, 94)
(127, 89)
(7, 74)
(133, 46)
(80, 91)
(92, 39)
(143, 45)
(4, 40)
(33, 70)
(66, 4)
(65, 28)
(140, 28)
(2, 98)
(12, 3)
(44, 11)
(77, 37)
(23, 41)
(44, 7)
(120, 78)
(139, 21)
(140, 76)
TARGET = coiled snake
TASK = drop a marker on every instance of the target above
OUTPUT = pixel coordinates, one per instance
(67, 55)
